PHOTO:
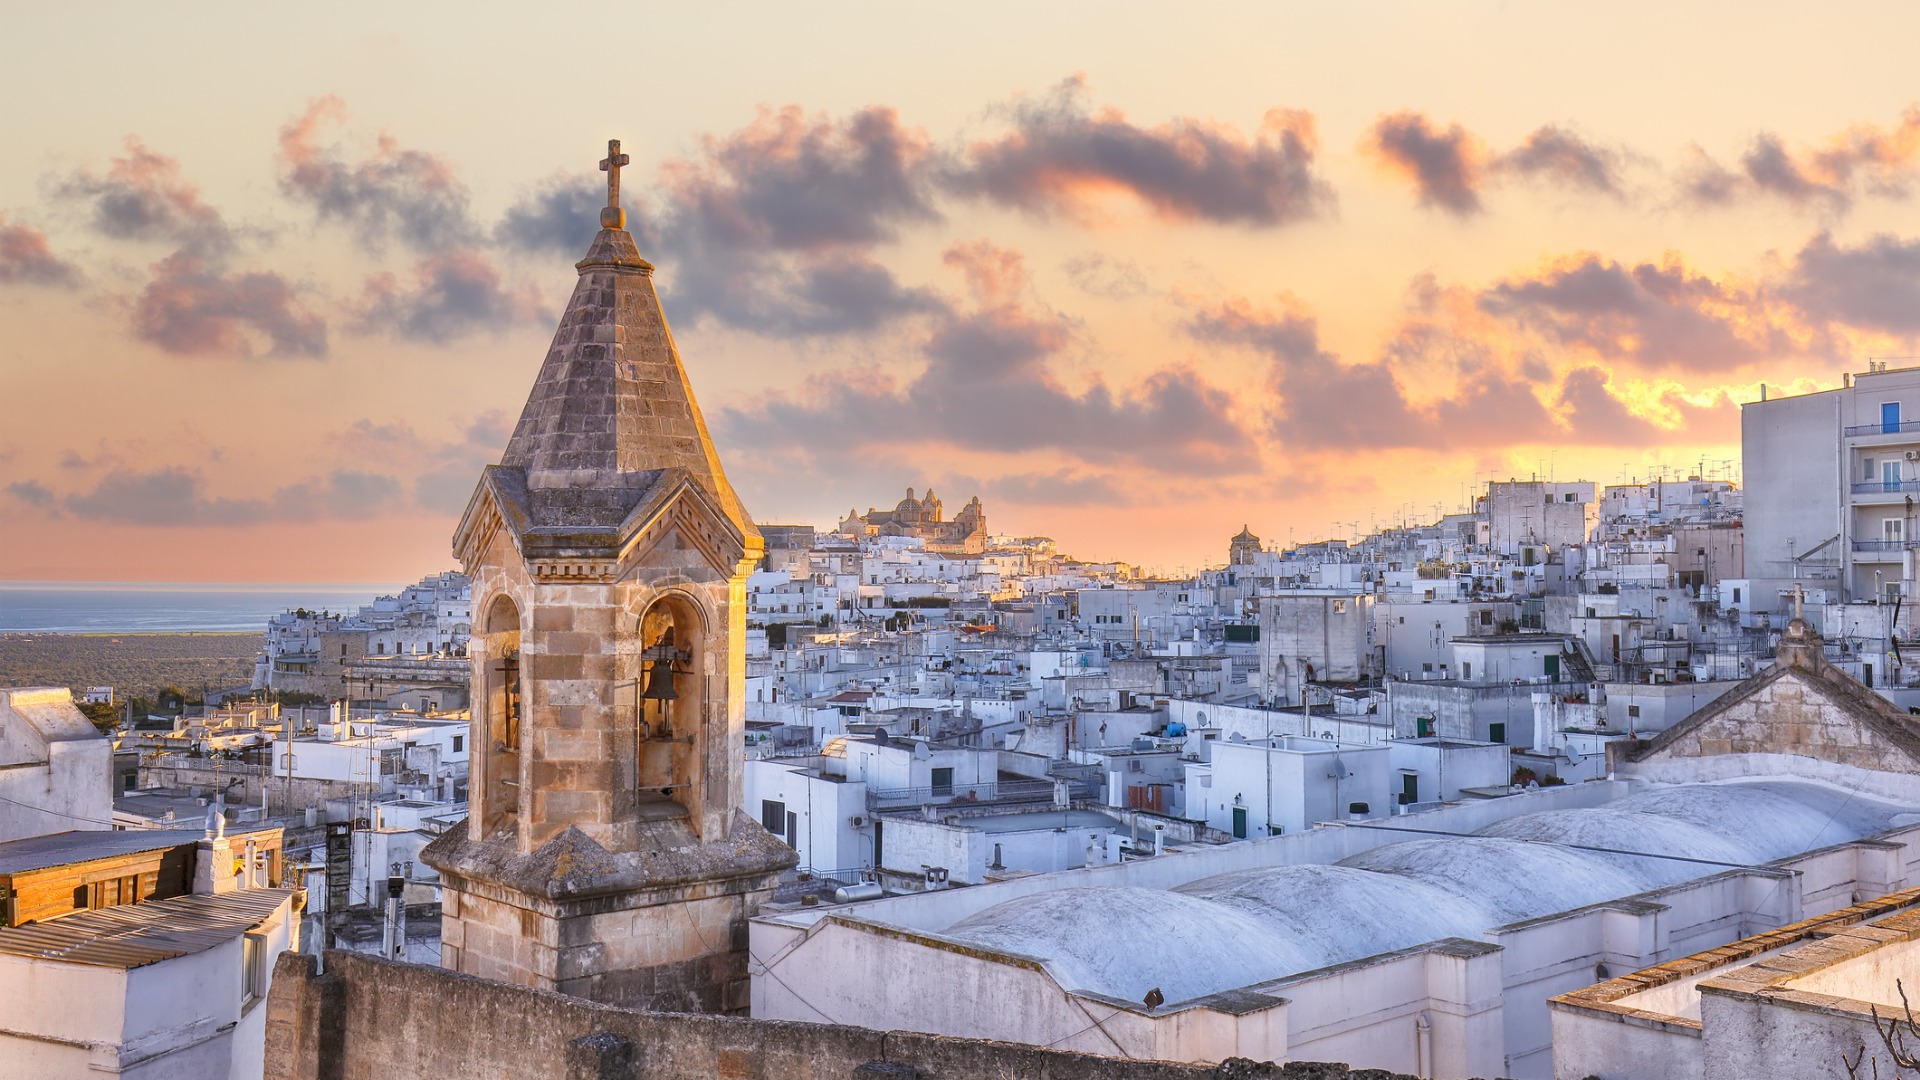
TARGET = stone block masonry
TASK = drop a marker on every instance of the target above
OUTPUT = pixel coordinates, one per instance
(373, 1019)
(681, 954)
(607, 856)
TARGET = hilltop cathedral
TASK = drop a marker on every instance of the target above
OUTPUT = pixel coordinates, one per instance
(966, 534)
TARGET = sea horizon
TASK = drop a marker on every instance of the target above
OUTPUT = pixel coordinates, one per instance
(165, 607)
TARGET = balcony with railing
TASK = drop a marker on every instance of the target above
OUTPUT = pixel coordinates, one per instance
(1904, 427)
(1886, 487)
(1885, 549)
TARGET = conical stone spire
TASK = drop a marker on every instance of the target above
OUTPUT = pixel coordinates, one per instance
(606, 854)
(611, 407)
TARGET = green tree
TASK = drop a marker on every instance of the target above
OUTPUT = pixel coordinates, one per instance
(174, 700)
(104, 716)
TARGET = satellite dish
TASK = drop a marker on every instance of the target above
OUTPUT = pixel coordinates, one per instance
(920, 751)
(1236, 737)
(1339, 769)
(1573, 756)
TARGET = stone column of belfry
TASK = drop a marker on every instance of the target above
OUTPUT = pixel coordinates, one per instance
(605, 854)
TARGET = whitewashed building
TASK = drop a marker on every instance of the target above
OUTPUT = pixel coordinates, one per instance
(1285, 784)
(1426, 944)
(1829, 476)
(155, 991)
(1812, 1000)
(1314, 637)
(1523, 514)
(55, 766)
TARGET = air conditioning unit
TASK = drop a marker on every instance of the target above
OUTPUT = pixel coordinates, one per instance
(857, 820)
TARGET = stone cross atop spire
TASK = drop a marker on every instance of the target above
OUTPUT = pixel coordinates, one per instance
(613, 217)
(611, 408)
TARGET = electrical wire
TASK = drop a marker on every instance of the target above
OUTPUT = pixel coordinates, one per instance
(72, 817)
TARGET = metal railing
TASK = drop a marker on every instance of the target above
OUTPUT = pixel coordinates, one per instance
(1882, 545)
(441, 822)
(1885, 487)
(233, 766)
(1472, 688)
(991, 791)
(1883, 428)
(807, 880)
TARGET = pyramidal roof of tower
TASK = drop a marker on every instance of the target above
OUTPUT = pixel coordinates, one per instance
(611, 410)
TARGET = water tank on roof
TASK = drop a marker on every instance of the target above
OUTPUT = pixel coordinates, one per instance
(1175, 729)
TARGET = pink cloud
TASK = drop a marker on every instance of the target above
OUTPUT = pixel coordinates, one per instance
(26, 257)
(192, 308)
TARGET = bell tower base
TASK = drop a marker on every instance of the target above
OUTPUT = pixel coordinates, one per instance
(661, 928)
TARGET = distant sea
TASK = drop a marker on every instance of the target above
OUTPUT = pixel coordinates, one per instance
(124, 607)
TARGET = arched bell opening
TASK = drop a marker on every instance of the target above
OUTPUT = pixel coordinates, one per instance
(499, 720)
(669, 705)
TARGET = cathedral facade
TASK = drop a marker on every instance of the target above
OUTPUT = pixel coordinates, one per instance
(966, 534)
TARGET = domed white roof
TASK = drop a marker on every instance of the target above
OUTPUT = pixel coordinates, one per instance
(1340, 912)
(1123, 942)
(1510, 879)
(1255, 926)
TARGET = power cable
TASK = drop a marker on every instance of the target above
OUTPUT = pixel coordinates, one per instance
(70, 817)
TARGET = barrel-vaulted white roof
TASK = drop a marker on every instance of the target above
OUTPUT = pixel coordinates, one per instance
(1254, 926)
(1127, 941)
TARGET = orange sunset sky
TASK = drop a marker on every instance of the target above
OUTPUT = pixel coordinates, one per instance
(274, 282)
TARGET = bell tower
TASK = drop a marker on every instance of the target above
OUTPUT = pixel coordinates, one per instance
(605, 854)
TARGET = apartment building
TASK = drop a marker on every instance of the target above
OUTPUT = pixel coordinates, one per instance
(1831, 480)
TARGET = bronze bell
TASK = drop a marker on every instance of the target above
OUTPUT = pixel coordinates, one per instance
(660, 682)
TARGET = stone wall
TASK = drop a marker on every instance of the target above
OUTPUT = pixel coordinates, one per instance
(683, 952)
(285, 796)
(1795, 715)
(373, 1019)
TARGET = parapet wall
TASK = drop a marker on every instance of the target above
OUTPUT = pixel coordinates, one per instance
(374, 1019)
(244, 785)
